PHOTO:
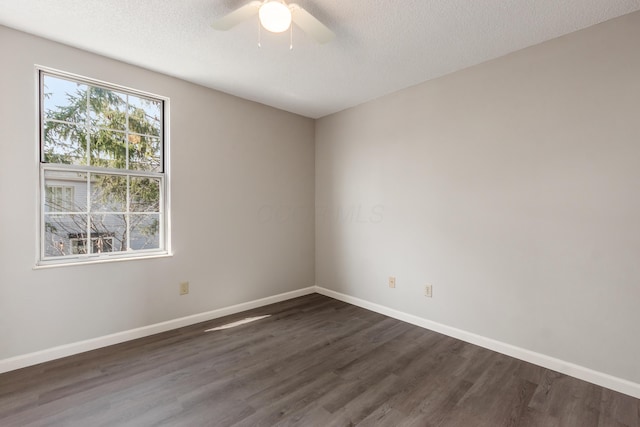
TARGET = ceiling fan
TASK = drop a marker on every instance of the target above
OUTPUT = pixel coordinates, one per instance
(276, 16)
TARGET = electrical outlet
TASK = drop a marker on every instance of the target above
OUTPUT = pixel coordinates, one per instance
(392, 282)
(428, 291)
(184, 288)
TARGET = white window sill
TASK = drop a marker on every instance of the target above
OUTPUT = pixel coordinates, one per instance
(43, 265)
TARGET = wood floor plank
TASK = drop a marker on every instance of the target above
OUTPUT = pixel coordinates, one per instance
(367, 402)
(618, 409)
(434, 409)
(277, 409)
(384, 416)
(314, 361)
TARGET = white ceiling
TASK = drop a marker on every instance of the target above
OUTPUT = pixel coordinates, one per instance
(381, 45)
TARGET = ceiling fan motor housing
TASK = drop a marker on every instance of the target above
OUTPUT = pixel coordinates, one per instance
(275, 16)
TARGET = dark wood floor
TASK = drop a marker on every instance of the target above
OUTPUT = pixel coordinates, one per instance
(315, 362)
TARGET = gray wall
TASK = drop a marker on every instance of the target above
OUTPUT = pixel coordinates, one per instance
(237, 169)
(513, 187)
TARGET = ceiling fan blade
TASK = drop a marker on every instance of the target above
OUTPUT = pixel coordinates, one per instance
(310, 25)
(237, 16)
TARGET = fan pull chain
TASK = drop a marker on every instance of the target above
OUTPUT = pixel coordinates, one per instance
(259, 35)
(291, 37)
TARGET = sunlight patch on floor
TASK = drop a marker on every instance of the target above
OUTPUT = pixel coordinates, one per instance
(238, 323)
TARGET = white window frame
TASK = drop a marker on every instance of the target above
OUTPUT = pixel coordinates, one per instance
(164, 206)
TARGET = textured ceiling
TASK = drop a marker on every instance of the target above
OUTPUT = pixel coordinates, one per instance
(380, 46)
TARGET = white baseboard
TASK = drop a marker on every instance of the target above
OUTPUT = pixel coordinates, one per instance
(571, 369)
(30, 359)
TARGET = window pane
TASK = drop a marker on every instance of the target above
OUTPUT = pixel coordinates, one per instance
(108, 193)
(108, 109)
(64, 100)
(145, 153)
(65, 143)
(108, 149)
(144, 194)
(65, 191)
(145, 116)
(59, 229)
(112, 226)
(145, 231)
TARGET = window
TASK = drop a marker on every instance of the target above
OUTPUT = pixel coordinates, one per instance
(102, 171)
(59, 198)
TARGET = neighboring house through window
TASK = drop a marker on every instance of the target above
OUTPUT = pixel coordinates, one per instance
(60, 198)
(102, 171)
(100, 242)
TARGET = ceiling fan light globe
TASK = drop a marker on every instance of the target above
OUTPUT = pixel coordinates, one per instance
(275, 16)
